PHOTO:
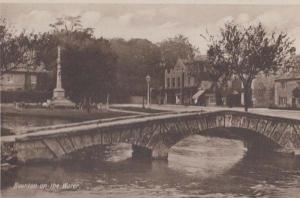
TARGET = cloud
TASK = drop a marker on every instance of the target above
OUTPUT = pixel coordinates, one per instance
(282, 21)
(125, 19)
(158, 23)
(149, 14)
(273, 19)
(243, 18)
(36, 20)
(89, 19)
(69, 12)
(167, 25)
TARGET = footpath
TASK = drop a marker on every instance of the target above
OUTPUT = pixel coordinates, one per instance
(293, 114)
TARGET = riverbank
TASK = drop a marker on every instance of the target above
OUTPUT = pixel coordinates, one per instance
(8, 158)
(69, 114)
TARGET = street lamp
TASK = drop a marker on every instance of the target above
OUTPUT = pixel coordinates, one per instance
(148, 79)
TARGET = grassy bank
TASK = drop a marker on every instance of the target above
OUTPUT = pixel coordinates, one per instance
(68, 114)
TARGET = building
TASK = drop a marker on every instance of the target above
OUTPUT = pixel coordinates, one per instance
(184, 85)
(263, 90)
(263, 86)
(23, 79)
(205, 96)
(287, 90)
(181, 87)
(231, 93)
(179, 84)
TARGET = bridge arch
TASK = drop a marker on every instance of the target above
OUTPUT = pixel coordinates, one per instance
(157, 134)
(253, 140)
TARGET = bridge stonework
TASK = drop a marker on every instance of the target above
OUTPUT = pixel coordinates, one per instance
(155, 133)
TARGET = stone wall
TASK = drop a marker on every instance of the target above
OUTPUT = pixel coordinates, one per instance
(13, 81)
(263, 91)
(284, 89)
(155, 133)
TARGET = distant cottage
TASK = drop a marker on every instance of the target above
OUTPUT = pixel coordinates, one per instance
(263, 90)
(287, 90)
(23, 79)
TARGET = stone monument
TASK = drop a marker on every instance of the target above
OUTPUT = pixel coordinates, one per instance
(59, 99)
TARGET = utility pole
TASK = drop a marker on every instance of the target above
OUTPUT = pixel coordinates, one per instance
(148, 90)
(181, 87)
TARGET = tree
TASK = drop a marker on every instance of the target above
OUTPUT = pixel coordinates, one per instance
(174, 48)
(87, 62)
(67, 24)
(16, 50)
(248, 51)
(136, 59)
(88, 69)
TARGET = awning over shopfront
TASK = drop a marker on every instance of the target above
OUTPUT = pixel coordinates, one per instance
(198, 94)
(235, 92)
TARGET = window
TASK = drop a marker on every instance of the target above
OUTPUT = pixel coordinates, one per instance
(261, 92)
(283, 84)
(282, 101)
(178, 82)
(235, 77)
(10, 78)
(33, 79)
(173, 82)
(211, 99)
(168, 82)
(189, 80)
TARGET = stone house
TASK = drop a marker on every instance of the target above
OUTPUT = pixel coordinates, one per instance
(231, 93)
(182, 87)
(287, 90)
(263, 90)
(23, 79)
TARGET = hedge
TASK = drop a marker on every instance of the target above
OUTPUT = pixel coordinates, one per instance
(25, 96)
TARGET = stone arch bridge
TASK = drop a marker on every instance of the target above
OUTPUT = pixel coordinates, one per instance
(154, 133)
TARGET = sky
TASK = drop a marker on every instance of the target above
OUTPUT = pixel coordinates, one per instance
(156, 21)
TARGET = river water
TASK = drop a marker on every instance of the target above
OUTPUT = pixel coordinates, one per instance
(197, 167)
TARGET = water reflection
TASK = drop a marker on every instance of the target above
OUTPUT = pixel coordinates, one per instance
(197, 167)
(204, 156)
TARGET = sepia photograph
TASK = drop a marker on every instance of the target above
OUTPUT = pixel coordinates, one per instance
(150, 99)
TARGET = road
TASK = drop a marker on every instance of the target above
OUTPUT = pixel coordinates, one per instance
(293, 114)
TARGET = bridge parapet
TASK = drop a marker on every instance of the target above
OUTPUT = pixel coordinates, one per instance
(156, 133)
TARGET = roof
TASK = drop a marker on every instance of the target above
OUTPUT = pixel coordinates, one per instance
(180, 64)
(29, 69)
(200, 69)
